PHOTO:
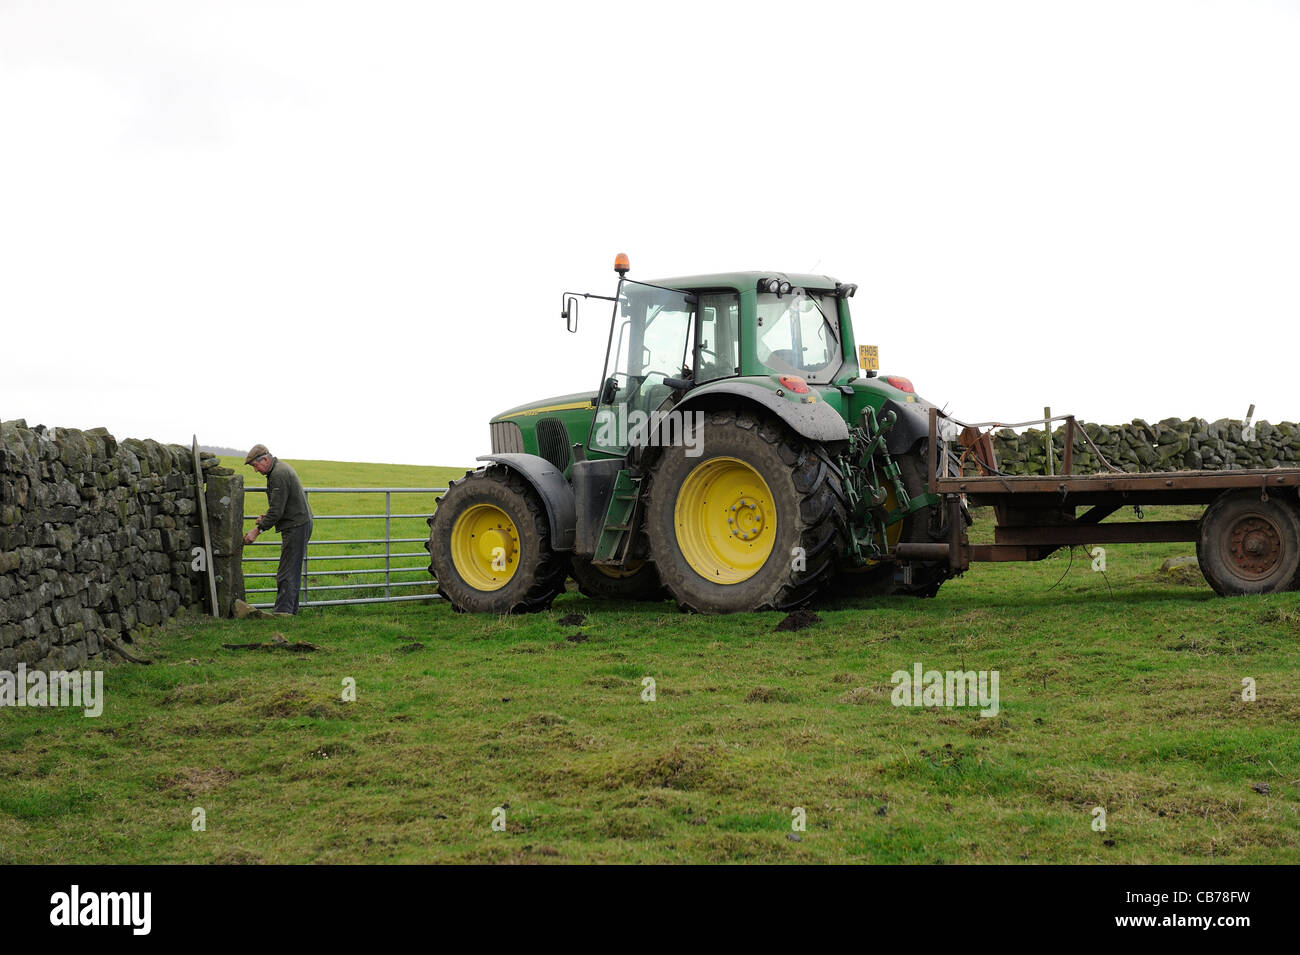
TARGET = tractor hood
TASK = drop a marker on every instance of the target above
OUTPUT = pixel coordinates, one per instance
(576, 402)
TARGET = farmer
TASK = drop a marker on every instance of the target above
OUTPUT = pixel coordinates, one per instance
(288, 512)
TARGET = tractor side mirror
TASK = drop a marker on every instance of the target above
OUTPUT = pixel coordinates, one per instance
(569, 312)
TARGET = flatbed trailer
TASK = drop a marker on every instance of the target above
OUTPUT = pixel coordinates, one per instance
(1247, 540)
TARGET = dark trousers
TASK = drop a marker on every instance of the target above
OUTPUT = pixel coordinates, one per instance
(288, 576)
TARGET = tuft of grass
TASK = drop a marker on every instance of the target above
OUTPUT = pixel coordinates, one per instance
(39, 802)
(769, 694)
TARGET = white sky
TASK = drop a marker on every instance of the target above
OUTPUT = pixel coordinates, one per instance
(350, 223)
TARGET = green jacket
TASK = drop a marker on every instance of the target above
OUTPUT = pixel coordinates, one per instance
(286, 502)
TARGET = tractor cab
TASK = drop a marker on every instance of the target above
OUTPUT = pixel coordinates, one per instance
(672, 336)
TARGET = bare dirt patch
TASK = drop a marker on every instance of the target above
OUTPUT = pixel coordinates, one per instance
(193, 781)
(799, 620)
(278, 642)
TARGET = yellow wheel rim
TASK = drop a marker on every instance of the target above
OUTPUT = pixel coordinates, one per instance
(619, 573)
(485, 547)
(725, 518)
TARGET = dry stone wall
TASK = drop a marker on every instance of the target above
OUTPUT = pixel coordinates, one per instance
(99, 538)
(1173, 444)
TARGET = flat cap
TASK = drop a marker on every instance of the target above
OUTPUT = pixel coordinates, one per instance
(255, 452)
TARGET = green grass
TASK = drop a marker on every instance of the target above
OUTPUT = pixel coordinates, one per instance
(1126, 696)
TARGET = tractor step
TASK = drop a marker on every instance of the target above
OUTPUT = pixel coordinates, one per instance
(620, 518)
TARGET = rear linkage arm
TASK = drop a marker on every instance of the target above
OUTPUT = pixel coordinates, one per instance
(865, 488)
(866, 467)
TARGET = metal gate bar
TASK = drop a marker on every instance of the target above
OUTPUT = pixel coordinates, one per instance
(274, 560)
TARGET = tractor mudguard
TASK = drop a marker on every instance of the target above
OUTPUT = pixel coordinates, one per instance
(548, 481)
(913, 424)
(816, 421)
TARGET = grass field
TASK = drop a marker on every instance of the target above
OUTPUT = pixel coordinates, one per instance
(1122, 691)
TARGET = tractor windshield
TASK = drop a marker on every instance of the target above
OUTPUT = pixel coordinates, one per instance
(799, 333)
(648, 343)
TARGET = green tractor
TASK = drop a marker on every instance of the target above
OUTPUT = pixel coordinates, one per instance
(739, 454)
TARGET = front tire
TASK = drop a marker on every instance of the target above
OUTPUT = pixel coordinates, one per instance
(489, 545)
(754, 523)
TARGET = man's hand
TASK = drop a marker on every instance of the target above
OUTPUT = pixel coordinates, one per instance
(254, 530)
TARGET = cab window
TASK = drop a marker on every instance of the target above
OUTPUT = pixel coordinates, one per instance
(798, 334)
(717, 346)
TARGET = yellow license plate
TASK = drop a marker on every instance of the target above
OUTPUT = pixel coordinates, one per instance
(869, 357)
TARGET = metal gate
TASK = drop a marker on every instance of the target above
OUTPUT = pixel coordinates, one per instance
(334, 571)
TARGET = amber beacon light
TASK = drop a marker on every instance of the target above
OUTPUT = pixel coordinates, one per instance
(621, 264)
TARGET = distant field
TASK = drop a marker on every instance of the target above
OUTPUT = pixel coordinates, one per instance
(1120, 691)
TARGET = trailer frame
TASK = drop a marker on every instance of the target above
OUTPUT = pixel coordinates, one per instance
(1037, 514)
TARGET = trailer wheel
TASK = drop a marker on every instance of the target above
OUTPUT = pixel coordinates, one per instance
(490, 548)
(1249, 546)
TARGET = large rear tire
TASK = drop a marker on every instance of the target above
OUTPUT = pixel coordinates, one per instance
(756, 522)
(1249, 546)
(489, 545)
